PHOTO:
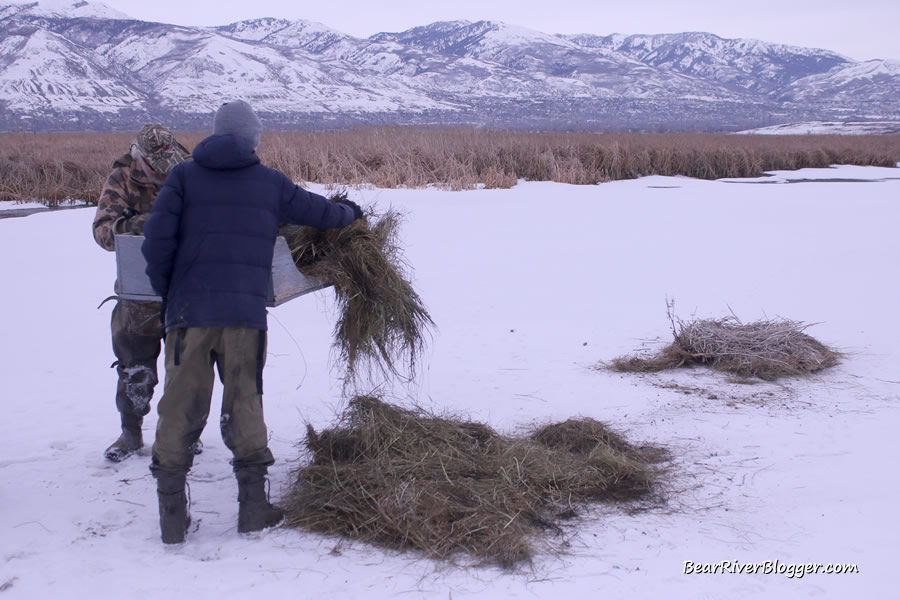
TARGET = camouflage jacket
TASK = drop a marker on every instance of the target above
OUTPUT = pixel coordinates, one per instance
(127, 186)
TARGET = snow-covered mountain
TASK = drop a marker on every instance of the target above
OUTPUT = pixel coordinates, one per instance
(872, 83)
(80, 65)
(63, 9)
(747, 64)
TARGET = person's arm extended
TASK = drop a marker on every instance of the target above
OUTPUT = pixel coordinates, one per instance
(302, 207)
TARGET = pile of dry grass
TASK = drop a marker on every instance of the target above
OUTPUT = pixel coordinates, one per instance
(767, 349)
(406, 479)
(383, 323)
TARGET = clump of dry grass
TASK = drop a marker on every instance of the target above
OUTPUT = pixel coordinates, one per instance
(407, 479)
(768, 349)
(24, 179)
(384, 323)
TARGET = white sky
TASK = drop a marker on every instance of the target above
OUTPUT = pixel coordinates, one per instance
(860, 29)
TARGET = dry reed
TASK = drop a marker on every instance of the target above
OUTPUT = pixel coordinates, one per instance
(407, 479)
(768, 349)
(56, 166)
(383, 322)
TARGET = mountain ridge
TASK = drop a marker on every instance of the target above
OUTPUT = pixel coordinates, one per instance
(89, 67)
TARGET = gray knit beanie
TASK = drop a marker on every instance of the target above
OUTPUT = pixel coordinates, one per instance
(237, 118)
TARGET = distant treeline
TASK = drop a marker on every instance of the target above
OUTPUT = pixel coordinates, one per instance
(51, 167)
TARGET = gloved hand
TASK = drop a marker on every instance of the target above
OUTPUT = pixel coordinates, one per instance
(135, 224)
(357, 211)
(131, 221)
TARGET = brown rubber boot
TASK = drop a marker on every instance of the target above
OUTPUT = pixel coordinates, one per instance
(128, 443)
(174, 518)
(255, 512)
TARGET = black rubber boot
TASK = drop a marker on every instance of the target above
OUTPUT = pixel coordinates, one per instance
(174, 518)
(254, 511)
(128, 443)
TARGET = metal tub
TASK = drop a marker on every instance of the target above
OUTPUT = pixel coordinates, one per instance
(285, 284)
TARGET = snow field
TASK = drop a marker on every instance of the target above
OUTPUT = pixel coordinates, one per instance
(529, 287)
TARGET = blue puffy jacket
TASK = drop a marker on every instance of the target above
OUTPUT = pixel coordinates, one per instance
(211, 234)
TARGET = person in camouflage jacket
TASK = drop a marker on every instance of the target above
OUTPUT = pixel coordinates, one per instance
(137, 332)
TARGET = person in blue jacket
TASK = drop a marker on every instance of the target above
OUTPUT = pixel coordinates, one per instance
(209, 246)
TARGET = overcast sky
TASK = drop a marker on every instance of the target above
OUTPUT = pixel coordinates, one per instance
(860, 29)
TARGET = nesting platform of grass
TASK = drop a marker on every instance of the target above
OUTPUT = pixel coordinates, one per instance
(383, 324)
(768, 349)
(410, 480)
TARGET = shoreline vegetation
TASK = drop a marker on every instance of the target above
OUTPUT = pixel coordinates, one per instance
(54, 167)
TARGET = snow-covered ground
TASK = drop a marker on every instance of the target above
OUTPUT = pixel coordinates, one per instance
(10, 207)
(529, 287)
(829, 128)
(6, 205)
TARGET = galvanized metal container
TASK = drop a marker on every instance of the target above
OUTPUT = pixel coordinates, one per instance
(285, 284)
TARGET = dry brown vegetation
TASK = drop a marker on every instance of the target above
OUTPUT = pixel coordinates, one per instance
(383, 322)
(407, 479)
(768, 349)
(56, 166)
